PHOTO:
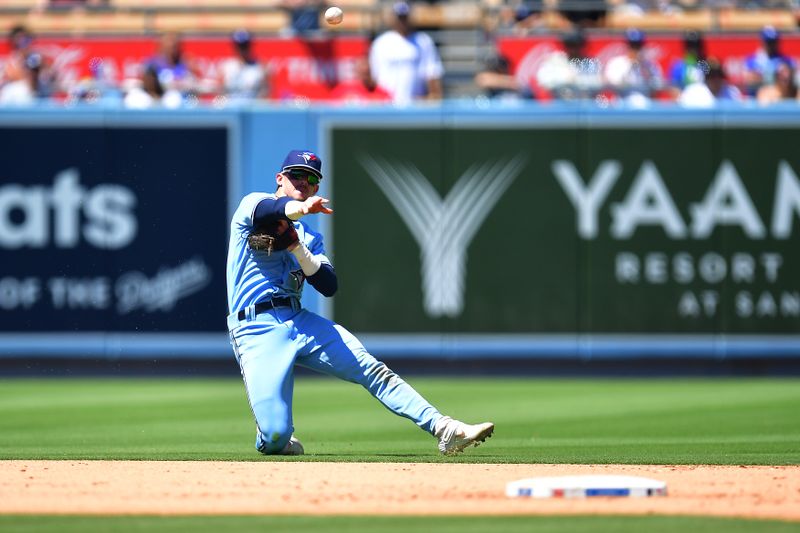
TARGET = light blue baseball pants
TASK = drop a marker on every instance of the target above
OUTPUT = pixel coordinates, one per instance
(269, 345)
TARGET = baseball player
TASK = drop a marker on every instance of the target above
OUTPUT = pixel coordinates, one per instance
(271, 254)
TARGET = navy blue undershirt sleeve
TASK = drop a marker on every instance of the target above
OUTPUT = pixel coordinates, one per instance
(324, 280)
(270, 210)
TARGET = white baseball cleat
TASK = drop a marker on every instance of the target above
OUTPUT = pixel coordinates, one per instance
(293, 447)
(455, 436)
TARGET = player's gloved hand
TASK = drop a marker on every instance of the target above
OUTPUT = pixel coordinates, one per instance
(278, 235)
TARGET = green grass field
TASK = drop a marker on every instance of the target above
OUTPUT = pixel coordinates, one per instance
(301, 524)
(686, 421)
(538, 421)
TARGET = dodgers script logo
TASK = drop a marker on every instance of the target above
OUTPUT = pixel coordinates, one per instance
(443, 227)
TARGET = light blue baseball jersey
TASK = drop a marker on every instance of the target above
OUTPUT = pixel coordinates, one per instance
(268, 345)
(256, 276)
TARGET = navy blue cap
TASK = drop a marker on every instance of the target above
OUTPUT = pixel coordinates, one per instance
(692, 38)
(303, 159)
(241, 36)
(769, 33)
(33, 61)
(401, 9)
(573, 38)
(634, 36)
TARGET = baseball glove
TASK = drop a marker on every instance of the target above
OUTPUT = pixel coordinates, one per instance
(278, 235)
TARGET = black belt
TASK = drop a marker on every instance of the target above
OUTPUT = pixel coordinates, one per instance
(260, 307)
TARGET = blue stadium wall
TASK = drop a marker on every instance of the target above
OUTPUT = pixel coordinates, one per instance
(461, 232)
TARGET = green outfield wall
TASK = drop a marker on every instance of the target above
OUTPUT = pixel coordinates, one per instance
(460, 231)
(593, 229)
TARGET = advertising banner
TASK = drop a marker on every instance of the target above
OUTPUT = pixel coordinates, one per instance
(526, 55)
(291, 63)
(113, 229)
(624, 230)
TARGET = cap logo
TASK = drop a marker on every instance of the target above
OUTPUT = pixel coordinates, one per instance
(308, 156)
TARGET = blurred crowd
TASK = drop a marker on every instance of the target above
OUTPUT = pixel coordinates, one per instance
(403, 66)
(695, 79)
(169, 78)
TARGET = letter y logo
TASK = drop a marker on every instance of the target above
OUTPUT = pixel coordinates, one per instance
(443, 227)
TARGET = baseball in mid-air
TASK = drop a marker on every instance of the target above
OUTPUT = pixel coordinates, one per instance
(334, 15)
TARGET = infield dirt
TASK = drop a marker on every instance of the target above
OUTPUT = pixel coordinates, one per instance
(312, 488)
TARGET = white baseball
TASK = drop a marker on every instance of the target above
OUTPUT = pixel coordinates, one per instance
(334, 15)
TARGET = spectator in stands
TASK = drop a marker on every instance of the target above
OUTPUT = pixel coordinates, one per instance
(571, 73)
(521, 19)
(639, 8)
(761, 66)
(304, 15)
(19, 46)
(497, 83)
(26, 72)
(717, 82)
(405, 62)
(634, 75)
(584, 13)
(714, 88)
(691, 67)
(360, 89)
(243, 77)
(99, 87)
(174, 71)
(24, 90)
(783, 88)
(152, 93)
(72, 3)
(42, 5)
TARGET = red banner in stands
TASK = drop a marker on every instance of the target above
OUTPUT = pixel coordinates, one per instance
(525, 54)
(296, 66)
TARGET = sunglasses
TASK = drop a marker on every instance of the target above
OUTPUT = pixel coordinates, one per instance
(299, 174)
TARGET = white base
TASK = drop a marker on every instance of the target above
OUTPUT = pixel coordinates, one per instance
(585, 487)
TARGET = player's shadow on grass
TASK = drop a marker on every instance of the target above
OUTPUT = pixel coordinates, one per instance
(354, 454)
(421, 457)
